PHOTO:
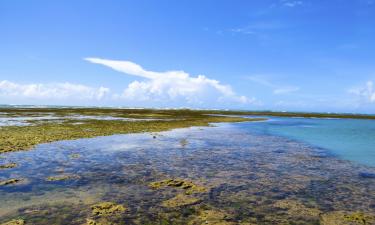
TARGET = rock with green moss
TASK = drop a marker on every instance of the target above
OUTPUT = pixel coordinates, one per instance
(14, 222)
(188, 186)
(62, 177)
(98, 222)
(107, 209)
(10, 181)
(346, 218)
(212, 216)
(180, 200)
(8, 165)
(75, 156)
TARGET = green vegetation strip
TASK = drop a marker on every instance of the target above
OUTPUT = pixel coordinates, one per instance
(15, 138)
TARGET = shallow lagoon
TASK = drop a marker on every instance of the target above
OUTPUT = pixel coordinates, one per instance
(251, 177)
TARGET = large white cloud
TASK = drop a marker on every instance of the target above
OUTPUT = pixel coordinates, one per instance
(172, 86)
(51, 91)
(367, 92)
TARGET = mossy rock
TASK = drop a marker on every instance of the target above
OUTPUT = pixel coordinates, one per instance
(15, 222)
(189, 186)
(212, 216)
(180, 200)
(75, 156)
(98, 222)
(8, 165)
(10, 181)
(346, 218)
(62, 177)
(107, 209)
(296, 208)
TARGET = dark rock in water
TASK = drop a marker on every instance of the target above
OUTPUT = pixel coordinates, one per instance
(279, 151)
(367, 175)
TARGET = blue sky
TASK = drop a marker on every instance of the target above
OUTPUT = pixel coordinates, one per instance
(295, 55)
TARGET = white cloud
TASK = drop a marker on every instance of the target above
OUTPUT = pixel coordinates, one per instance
(291, 3)
(277, 89)
(51, 91)
(172, 86)
(367, 92)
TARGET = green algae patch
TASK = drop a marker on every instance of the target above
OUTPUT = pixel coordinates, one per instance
(75, 156)
(10, 181)
(212, 216)
(296, 208)
(188, 186)
(62, 178)
(107, 209)
(98, 222)
(345, 218)
(8, 166)
(180, 200)
(14, 222)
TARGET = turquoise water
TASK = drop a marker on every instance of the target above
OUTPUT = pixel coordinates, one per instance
(349, 139)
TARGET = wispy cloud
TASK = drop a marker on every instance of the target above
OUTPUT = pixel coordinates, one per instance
(172, 86)
(51, 91)
(291, 3)
(277, 89)
(258, 27)
(366, 92)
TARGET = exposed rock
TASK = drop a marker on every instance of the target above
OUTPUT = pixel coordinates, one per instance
(107, 209)
(10, 181)
(190, 187)
(346, 218)
(8, 165)
(14, 222)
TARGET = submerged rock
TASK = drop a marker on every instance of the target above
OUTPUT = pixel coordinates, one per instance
(10, 181)
(184, 142)
(367, 175)
(62, 177)
(75, 156)
(189, 186)
(180, 200)
(296, 208)
(345, 218)
(8, 165)
(107, 209)
(14, 222)
(212, 216)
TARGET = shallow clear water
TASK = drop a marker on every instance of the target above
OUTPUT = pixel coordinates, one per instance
(251, 175)
(350, 139)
